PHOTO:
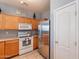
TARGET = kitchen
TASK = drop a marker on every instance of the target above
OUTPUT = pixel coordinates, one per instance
(39, 29)
(22, 28)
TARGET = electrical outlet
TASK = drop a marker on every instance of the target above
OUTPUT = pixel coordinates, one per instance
(7, 32)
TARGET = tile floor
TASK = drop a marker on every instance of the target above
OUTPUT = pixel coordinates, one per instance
(31, 55)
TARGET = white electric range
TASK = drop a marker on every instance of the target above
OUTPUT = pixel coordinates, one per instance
(25, 39)
(25, 42)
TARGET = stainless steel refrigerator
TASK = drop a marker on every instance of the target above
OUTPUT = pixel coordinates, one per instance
(44, 39)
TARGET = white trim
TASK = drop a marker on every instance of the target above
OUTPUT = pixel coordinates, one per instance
(65, 5)
(77, 8)
(54, 33)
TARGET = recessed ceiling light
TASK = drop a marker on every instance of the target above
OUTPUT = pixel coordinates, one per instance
(21, 2)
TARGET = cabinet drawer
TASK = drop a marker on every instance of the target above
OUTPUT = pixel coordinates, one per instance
(12, 41)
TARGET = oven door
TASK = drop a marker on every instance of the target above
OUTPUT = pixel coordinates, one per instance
(25, 42)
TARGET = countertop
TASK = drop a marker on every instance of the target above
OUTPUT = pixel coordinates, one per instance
(6, 39)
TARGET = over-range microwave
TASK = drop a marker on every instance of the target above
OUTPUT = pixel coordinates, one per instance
(24, 26)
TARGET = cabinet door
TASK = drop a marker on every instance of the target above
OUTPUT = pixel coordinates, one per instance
(21, 20)
(25, 20)
(11, 22)
(35, 23)
(35, 42)
(11, 48)
(1, 50)
(1, 22)
(28, 20)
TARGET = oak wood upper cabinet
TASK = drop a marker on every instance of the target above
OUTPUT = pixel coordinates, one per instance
(25, 20)
(11, 22)
(21, 20)
(35, 42)
(28, 20)
(1, 50)
(1, 22)
(34, 24)
(11, 48)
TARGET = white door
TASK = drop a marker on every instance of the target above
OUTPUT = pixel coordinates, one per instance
(65, 33)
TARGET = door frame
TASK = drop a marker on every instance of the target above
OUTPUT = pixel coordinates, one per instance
(77, 8)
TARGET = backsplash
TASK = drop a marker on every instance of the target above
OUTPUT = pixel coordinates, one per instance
(13, 33)
(8, 33)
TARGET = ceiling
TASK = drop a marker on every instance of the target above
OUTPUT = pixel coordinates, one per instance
(33, 5)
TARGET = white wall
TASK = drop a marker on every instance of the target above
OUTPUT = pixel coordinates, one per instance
(24, 13)
(13, 11)
(53, 5)
(45, 14)
(78, 28)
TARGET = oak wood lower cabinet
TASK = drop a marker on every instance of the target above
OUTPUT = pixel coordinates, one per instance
(1, 50)
(35, 42)
(11, 48)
